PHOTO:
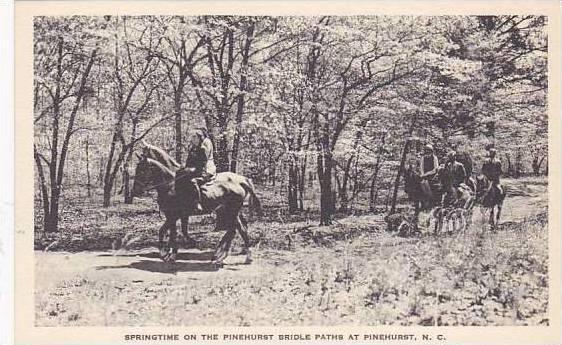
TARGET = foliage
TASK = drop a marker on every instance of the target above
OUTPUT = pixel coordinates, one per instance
(290, 101)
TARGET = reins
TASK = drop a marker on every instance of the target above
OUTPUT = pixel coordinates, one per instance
(174, 179)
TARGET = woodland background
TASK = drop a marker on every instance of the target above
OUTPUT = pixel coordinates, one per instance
(322, 112)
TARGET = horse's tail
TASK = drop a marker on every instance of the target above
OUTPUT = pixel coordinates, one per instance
(255, 203)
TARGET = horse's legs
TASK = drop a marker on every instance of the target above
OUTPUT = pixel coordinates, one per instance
(469, 214)
(417, 207)
(242, 227)
(188, 241)
(438, 220)
(172, 243)
(243, 230)
(491, 219)
(161, 232)
(499, 212)
(224, 246)
(231, 222)
(454, 221)
(436, 216)
(461, 219)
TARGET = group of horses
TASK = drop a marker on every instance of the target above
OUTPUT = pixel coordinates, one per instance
(225, 196)
(453, 207)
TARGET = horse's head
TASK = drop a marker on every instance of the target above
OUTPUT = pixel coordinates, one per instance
(482, 184)
(411, 180)
(159, 155)
(149, 151)
(443, 175)
(143, 176)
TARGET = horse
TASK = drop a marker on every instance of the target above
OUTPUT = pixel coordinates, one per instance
(459, 201)
(458, 211)
(415, 192)
(161, 156)
(225, 196)
(489, 197)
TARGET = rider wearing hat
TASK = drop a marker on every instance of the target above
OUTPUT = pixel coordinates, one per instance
(492, 169)
(428, 167)
(200, 159)
(457, 174)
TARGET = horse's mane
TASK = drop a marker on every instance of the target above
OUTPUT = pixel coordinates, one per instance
(411, 180)
(161, 156)
(161, 167)
(411, 173)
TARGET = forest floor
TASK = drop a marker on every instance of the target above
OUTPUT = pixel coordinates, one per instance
(350, 273)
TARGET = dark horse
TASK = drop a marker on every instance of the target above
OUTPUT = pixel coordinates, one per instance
(442, 185)
(490, 197)
(415, 192)
(161, 156)
(225, 196)
(413, 188)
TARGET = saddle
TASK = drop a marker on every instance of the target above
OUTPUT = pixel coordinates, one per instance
(463, 187)
(204, 182)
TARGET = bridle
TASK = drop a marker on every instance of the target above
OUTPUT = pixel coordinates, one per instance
(154, 186)
(481, 192)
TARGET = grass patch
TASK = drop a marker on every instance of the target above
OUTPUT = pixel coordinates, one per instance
(367, 278)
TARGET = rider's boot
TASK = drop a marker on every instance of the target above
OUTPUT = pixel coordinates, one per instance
(198, 208)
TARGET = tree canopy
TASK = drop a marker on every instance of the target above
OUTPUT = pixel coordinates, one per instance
(329, 100)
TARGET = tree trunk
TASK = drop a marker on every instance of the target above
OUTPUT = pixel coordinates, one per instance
(302, 178)
(101, 171)
(52, 218)
(107, 179)
(241, 97)
(373, 195)
(509, 165)
(373, 191)
(398, 175)
(177, 125)
(325, 179)
(292, 186)
(222, 160)
(128, 195)
(344, 200)
(535, 166)
(518, 163)
(272, 171)
(540, 164)
(44, 190)
(88, 180)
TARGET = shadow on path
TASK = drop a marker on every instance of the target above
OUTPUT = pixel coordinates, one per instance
(186, 256)
(165, 267)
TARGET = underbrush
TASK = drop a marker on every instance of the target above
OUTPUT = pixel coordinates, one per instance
(83, 227)
(351, 273)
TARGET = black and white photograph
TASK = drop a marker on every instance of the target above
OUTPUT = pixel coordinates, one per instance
(287, 171)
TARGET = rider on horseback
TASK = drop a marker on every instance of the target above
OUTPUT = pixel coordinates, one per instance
(457, 176)
(428, 168)
(492, 169)
(200, 161)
